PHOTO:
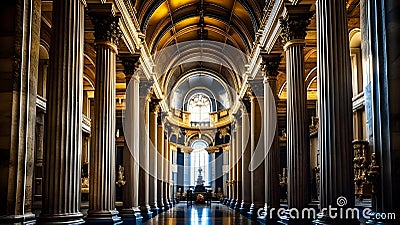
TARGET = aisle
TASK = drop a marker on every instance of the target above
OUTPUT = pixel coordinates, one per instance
(200, 214)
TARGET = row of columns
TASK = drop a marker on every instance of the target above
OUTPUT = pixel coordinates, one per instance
(334, 103)
(147, 184)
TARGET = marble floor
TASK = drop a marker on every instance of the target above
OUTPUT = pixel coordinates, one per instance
(200, 214)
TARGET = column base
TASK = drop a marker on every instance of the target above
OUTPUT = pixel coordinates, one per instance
(232, 203)
(28, 218)
(238, 204)
(244, 208)
(146, 213)
(166, 205)
(253, 211)
(105, 217)
(267, 218)
(155, 210)
(161, 207)
(131, 216)
(326, 220)
(67, 218)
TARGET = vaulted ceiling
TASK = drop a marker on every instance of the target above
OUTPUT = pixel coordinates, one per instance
(166, 22)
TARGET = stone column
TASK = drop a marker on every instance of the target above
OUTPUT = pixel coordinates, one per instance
(62, 159)
(380, 49)
(170, 182)
(239, 163)
(160, 164)
(130, 213)
(257, 148)
(294, 24)
(270, 65)
(246, 156)
(153, 110)
(165, 172)
(230, 175)
(144, 150)
(233, 167)
(102, 154)
(334, 106)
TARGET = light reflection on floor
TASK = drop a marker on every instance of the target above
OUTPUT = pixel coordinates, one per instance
(200, 215)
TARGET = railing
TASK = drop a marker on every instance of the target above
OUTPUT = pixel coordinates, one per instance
(200, 124)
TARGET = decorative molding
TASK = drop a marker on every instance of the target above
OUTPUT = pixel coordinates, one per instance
(270, 64)
(105, 23)
(130, 62)
(154, 105)
(294, 22)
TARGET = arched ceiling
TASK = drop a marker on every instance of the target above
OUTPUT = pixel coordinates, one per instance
(167, 22)
(200, 82)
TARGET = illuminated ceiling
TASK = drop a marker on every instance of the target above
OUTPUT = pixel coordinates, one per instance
(166, 22)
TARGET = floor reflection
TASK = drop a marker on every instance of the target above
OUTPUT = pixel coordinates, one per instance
(200, 215)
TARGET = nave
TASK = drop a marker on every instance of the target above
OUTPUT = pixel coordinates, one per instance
(217, 214)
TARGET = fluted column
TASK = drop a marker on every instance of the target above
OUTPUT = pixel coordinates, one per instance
(257, 148)
(144, 150)
(62, 162)
(170, 182)
(165, 171)
(160, 164)
(230, 192)
(270, 65)
(130, 213)
(246, 156)
(239, 163)
(102, 152)
(294, 24)
(233, 168)
(154, 107)
(335, 106)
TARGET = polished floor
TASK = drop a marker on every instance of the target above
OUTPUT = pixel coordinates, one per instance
(200, 214)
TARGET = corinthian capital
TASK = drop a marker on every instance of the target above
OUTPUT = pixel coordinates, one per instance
(130, 63)
(105, 22)
(294, 22)
(270, 64)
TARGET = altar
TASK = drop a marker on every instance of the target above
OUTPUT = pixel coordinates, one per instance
(200, 195)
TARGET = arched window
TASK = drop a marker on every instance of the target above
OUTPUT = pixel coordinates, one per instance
(199, 160)
(199, 106)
